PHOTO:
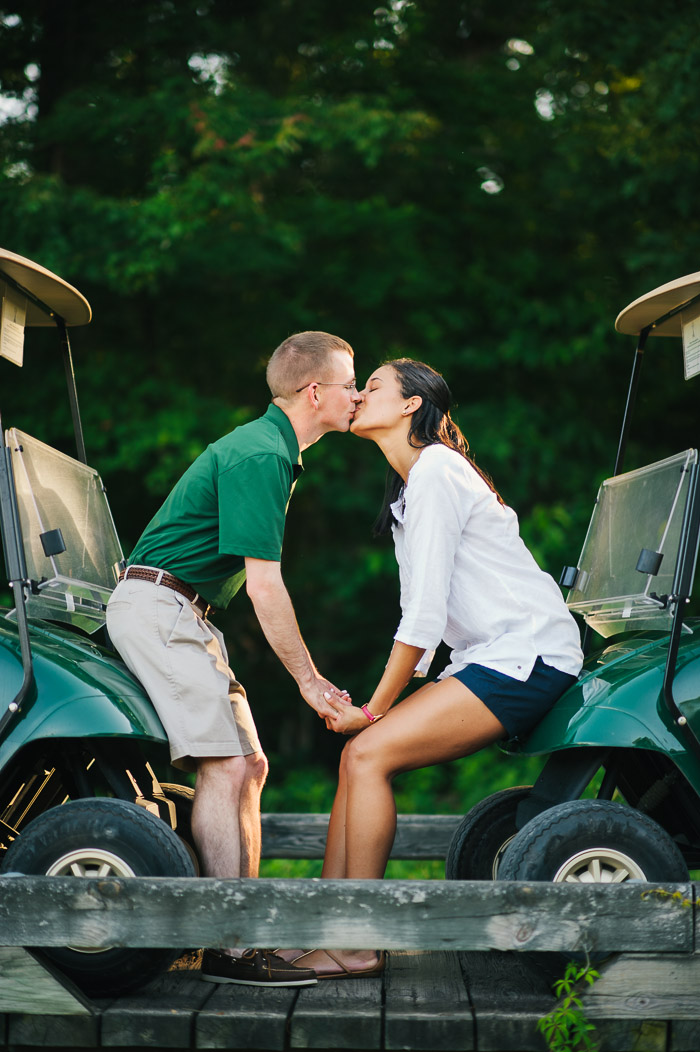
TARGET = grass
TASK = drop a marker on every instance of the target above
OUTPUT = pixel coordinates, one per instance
(396, 870)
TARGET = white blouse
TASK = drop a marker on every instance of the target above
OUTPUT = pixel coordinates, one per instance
(468, 579)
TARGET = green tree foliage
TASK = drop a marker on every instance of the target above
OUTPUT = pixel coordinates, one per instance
(482, 186)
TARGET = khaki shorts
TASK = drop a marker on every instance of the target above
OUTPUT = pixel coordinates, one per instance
(181, 661)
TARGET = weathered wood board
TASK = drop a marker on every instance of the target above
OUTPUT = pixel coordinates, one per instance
(646, 986)
(161, 1015)
(30, 985)
(509, 992)
(304, 835)
(338, 1014)
(420, 1003)
(414, 914)
(426, 1003)
(245, 1017)
(51, 1032)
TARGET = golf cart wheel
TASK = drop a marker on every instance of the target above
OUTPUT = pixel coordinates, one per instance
(101, 838)
(182, 797)
(593, 841)
(477, 847)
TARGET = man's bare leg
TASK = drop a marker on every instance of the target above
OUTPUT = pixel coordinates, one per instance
(226, 815)
(249, 814)
(215, 821)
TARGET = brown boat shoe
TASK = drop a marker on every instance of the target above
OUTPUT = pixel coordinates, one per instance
(253, 968)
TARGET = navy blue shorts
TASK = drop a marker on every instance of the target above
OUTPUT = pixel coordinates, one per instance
(518, 706)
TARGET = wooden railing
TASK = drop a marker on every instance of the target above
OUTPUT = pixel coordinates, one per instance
(304, 836)
(394, 914)
(429, 915)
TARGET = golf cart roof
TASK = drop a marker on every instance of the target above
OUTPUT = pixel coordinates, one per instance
(53, 291)
(655, 304)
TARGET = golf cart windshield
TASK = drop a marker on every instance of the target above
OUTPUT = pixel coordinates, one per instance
(628, 563)
(70, 543)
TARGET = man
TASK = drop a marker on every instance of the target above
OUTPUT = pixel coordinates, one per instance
(223, 524)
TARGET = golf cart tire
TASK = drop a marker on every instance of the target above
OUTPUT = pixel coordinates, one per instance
(592, 841)
(477, 846)
(118, 839)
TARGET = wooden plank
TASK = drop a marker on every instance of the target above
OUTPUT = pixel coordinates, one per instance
(509, 993)
(54, 1031)
(646, 986)
(629, 1035)
(293, 835)
(426, 1003)
(28, 984)
(304, 835)
(684, 1035)
(413, 914)
(249, 1017)
(341, 1013)
(514, 1030)
(161, 1015)
(424, 836)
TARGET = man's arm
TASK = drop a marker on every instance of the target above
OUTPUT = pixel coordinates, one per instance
(274, 611)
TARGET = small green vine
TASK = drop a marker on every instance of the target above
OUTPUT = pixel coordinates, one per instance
(566, 1028)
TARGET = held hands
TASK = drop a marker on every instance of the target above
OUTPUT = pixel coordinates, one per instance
(348, 719)
(325, 698)
(334, 706)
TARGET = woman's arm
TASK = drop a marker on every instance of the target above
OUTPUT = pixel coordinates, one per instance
(439, 499)
(439, 502)
(399, 669)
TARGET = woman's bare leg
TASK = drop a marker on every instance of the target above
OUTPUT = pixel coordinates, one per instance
(334, 856)
(440, 722)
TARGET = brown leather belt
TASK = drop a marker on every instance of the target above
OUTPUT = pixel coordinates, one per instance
(142, 573)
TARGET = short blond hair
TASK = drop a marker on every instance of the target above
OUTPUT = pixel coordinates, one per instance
(301, 359)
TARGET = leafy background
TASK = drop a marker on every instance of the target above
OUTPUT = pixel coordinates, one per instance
(483, 186)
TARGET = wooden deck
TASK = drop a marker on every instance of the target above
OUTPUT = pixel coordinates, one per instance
(420, 997)
(470, 964)
(487, 1001)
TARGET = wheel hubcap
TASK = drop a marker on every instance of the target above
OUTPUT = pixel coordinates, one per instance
(90, 862)
(599, 865)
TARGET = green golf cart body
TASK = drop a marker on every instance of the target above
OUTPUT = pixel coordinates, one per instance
(628, 731)
(80, 741)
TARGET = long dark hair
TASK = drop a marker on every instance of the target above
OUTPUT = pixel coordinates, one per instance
(431, 424)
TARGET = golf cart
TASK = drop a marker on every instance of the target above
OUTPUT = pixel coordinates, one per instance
(79, 739)
(629, 729)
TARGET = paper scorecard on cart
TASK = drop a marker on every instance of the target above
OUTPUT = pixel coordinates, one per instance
(690, 325)
(13, 313)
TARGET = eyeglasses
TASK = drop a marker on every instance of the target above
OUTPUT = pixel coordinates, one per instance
(352, 386)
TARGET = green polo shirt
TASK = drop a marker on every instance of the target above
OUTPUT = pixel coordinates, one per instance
(230, 503)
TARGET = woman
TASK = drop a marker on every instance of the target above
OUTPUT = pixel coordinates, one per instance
(467, 578)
